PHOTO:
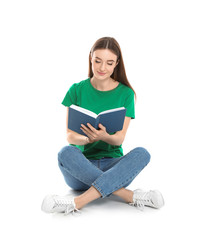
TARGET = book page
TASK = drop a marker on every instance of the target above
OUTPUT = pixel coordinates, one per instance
(112, 110)
(83, 110)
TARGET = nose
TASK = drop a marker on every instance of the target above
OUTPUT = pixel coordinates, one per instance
(103, 66)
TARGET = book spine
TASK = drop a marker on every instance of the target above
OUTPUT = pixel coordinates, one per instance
(97, 123)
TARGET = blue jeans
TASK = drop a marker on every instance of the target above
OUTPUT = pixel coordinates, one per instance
(106, 174)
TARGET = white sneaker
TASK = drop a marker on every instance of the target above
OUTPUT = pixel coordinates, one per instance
(55, 203)
(151, 199)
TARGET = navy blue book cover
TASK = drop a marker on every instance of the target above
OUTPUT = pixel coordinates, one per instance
(112, 119)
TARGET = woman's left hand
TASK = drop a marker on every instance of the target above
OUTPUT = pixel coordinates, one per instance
(94, 134)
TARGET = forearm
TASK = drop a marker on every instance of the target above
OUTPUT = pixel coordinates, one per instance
(76, 138)
(114, 139)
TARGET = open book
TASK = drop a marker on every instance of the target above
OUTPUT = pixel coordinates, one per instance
(112, 120)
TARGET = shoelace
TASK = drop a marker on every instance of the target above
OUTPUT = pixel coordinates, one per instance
(72, 209)
(67, 204)
(139, 204)
(140, 201)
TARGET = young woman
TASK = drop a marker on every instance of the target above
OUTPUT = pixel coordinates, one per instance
(95, 163)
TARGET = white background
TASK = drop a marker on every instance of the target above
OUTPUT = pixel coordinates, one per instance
(44, 49)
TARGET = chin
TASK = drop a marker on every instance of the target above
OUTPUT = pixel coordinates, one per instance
(101, 77)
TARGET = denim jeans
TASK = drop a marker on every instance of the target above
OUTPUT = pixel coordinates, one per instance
(106, 174)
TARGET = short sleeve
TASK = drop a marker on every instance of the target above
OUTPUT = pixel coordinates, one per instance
(130, 105)
(70, 97)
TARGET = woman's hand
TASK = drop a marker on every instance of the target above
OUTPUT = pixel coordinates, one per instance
(93, 134)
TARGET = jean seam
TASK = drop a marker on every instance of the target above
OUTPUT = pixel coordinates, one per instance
(116, 188)
(124, 182)
(127, 180)
(99, 189)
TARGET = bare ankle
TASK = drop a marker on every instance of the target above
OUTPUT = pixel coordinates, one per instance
(78, 203)
(125, 194)
(131, 197)
(88, 196)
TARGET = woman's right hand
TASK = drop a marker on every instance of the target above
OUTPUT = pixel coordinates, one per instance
(88, 140)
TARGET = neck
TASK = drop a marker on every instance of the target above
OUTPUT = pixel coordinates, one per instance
(102, 85)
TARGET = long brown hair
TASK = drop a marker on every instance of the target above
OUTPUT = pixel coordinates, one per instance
(119, 73)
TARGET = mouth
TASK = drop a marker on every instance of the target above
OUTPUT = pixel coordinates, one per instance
(100, 73)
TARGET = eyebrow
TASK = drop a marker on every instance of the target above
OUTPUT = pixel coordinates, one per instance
(107, 60)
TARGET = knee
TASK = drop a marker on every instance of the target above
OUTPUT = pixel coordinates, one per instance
(65, 152)
(144, 155)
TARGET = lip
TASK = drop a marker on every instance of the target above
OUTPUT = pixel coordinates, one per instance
(101, 73)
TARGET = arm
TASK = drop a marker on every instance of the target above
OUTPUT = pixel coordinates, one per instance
(118, 137)
(77, 139)
(73, 137)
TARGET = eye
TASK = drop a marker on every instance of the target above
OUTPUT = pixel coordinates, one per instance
(100, 62)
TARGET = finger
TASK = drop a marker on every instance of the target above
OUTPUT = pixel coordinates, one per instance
(83, 126)
(101, 126)
(87, 131)
(92, 128)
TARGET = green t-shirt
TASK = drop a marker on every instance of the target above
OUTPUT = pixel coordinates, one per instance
(83, 94)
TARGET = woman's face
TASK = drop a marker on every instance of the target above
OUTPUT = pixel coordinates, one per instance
(103, 63)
